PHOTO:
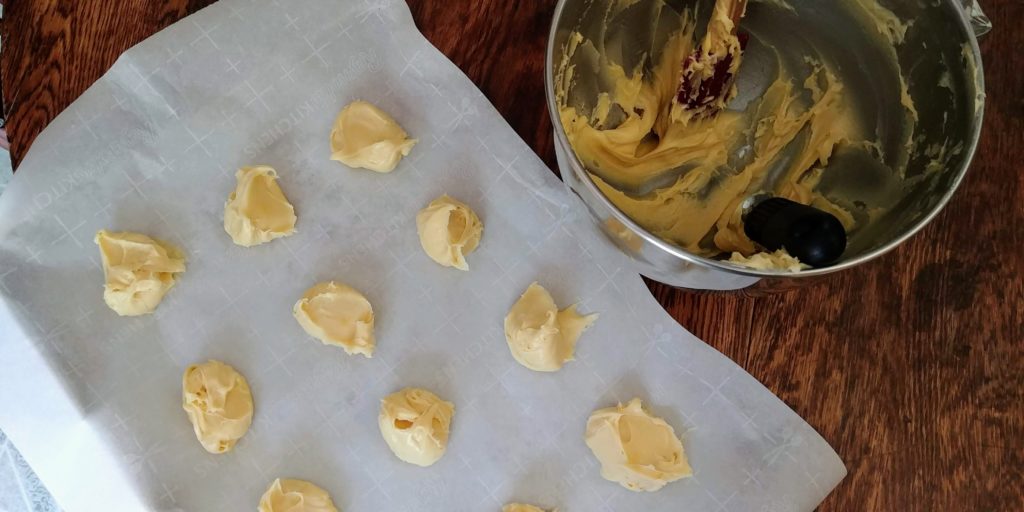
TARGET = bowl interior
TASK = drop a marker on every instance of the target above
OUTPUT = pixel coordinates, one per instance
(920, 159)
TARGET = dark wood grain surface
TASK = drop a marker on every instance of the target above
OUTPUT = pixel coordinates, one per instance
(912, 366)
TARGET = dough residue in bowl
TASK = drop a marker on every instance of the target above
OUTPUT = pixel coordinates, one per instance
(685, 178)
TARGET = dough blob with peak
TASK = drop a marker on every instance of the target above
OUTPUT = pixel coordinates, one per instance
(219, 404)
(138, 271)
(366, 137)
(541, 337)
(415, 424)
(449, 230)
(520, 507)
(288, 495)
(257, 211)
(639, 451)
(337, 314)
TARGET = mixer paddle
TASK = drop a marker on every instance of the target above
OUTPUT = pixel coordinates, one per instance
(709, 73)
(813, 236)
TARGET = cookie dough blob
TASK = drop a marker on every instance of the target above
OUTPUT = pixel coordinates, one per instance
(287, 495)
(639, 451)
(541, 337)
(138, 271)
(415, 424)
(337, 314)
(449, 230)
(219, 404)
(778, 260)
(366, 137)
(520, 507)
(257, 211)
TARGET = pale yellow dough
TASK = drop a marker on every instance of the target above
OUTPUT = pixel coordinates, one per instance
(366, 137)
(520, 507)
(541, 337)
(449, 230)
(289, 495)
(778, 260)
(257, 211)
(337, 314)
(639, 451)
(138, 271)
(219, 404)
(415, 424)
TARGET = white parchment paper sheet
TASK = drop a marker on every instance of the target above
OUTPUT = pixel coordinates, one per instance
(93, 400)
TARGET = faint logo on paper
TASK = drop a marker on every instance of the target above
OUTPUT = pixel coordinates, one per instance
(369, 245)
(207, 466)
(659, 335)
(463, 360)
(323, 98)
(790, 440)
(321, 378)
(464, 114)
(579, 471)
(168, 499)
(381, 9)
(361, 64)
(433, 488)
(779, 504)
(95, 164)
(128, 333)
(139, 461)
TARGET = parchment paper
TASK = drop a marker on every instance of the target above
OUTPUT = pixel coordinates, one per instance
(93, 400)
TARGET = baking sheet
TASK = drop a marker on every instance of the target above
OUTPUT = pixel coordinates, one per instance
(93, 400)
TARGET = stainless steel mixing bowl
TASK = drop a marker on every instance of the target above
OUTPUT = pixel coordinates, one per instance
(940, 48)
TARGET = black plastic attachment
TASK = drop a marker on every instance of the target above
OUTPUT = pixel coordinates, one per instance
(815, 237)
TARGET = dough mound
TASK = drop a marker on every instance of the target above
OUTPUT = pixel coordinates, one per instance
(778, 260)
(366, 137)
(415, 424)
(337, 314)
(295, 496)
(257, 211)
(520, 507)
(138, 271)
(449, 230)
(219, 404)
(541, 337)
(639, 451)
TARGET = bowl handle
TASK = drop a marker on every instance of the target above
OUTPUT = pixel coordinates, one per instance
(979, 22)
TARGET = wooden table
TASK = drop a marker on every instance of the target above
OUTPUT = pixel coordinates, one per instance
(912, 366)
